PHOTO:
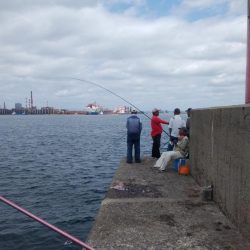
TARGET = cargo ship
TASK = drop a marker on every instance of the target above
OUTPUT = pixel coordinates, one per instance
(93, 109)
(122, 110)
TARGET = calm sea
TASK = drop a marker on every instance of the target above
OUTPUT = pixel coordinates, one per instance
(59, 168)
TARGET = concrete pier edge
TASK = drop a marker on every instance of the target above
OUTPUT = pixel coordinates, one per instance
(146, 209)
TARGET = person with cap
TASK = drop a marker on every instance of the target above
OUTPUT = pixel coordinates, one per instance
(188, 120)
(180, 151)
(156, 131)
(134, 127)
(175, 123)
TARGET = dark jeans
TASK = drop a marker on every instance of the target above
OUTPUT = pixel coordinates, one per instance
(133, 140)
(156, 146)
(174, 141)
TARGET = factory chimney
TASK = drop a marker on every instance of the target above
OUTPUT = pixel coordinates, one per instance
(247, 97)
(31, 100)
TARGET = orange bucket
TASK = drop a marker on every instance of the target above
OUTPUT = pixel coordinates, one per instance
(184, 170)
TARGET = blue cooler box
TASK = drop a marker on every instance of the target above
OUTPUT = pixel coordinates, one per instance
(177, 163)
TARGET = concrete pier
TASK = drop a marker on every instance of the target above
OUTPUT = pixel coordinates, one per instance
(219, 156)
(147, 209)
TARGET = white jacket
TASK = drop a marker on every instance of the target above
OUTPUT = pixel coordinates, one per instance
(175, 123)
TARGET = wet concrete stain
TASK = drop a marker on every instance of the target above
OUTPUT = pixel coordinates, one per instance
(168, 219)
(129, 190)
(219, 226)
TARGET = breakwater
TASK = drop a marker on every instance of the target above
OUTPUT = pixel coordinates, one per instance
(145, 209)
(148, 209)
(220, 156)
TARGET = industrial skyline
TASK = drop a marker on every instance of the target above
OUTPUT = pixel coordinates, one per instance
(30, 108)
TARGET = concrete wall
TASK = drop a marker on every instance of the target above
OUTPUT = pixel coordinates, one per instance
(220, 155)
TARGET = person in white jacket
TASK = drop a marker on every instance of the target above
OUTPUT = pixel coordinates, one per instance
(175, 123)
(180, 151)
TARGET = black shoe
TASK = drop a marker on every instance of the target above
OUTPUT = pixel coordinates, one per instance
(138, 161)
(129, 162)
(156, 157)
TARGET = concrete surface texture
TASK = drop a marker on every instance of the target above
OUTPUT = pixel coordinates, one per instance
(220, 156)
(148, 209)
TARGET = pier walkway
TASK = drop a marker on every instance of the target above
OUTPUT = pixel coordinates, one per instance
(146, 209)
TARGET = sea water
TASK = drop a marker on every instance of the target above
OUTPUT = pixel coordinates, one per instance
(59, 168)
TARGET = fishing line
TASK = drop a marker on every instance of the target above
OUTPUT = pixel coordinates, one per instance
(113, 93)
(165, 144)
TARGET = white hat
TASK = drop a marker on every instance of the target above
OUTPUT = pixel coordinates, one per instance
(155, 110)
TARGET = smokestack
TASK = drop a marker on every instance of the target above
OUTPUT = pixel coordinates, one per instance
(247, 97)
(31, 99)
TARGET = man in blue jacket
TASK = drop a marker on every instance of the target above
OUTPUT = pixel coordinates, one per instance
(134, 127)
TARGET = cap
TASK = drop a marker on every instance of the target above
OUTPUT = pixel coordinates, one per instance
(177, 111)
(134, 111)
(184, 130)
(155, 110)
(189, 109)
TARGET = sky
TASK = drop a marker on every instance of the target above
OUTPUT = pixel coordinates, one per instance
(163, 54)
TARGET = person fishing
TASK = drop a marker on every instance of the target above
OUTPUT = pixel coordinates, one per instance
(134, 127)
(155, 120)
(181, 149)
(175, 123)
(156, 131)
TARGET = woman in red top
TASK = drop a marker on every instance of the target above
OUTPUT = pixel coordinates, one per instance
(156, 132)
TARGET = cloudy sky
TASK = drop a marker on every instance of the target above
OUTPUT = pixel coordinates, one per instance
(165, 53)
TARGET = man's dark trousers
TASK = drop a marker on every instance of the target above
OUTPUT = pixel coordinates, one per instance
(156, 146)
(133, 140)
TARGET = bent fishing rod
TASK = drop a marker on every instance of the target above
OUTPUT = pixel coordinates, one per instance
(113, 93)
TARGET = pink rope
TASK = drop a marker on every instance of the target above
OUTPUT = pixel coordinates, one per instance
(66, 235)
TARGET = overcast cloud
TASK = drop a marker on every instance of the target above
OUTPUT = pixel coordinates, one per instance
(189, 53)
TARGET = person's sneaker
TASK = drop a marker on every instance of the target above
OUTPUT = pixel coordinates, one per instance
(138, 161)
(129, 162)
(162, 170)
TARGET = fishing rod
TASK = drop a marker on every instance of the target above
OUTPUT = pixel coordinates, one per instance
(113, 93)
(45, 223)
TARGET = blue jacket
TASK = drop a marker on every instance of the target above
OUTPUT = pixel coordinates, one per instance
(134, 125)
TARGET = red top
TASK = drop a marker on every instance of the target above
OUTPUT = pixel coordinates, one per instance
(156, 125)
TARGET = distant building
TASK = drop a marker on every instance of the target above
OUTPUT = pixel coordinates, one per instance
(18, 110)
(18, 106)
(47, 110)
(4, 110)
